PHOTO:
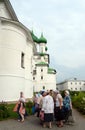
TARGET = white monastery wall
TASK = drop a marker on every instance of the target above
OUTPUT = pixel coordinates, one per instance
(13, 42)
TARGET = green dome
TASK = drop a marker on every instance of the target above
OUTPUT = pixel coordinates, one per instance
(35, 38)
(42, 39)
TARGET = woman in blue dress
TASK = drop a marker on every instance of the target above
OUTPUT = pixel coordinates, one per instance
(67, 105)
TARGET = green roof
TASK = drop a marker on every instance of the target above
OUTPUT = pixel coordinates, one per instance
(51, 71)
(42, 54)
(38, 40)
(42, 39)
(35, 38)
(42, 63)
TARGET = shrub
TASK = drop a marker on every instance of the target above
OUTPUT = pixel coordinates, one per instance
(78, 101)
(4, 113)
(29, 106)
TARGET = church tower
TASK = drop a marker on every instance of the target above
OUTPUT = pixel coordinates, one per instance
(44, 77)
(42, 44)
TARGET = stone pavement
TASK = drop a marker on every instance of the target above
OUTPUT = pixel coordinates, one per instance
(33, 123)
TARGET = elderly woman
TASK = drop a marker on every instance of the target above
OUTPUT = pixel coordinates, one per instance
(58, 108)
(48, 108)
(67, 105)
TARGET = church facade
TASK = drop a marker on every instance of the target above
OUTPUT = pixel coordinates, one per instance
(22, 66)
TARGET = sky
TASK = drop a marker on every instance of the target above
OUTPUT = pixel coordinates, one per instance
(63, 25)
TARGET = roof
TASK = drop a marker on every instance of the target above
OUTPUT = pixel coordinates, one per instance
(38, 40)
(51, 71)
(70, 80)
(35, 38)
(10, 9)
(42, 54)
(42, 64)
(42, 39)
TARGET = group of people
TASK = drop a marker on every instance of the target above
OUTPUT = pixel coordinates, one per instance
(50, 105)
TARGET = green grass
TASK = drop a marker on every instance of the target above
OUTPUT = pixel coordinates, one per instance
(12, 114)
(9, 109)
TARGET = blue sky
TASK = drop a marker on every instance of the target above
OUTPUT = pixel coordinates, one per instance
(63, 25)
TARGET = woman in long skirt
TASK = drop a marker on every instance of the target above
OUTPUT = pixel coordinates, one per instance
(48, 108)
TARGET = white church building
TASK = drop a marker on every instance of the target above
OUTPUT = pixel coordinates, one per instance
(23, 67)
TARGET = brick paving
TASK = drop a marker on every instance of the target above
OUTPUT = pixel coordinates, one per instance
(33, 123)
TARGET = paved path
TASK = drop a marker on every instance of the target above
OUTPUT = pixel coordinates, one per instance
(33, 123)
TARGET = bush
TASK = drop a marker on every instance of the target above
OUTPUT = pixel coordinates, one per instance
(78, 101)
(29, 106)
(6, 110)
(4, 113)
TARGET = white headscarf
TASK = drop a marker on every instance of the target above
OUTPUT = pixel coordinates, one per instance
(67, 92)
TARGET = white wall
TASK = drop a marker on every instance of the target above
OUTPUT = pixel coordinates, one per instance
(42, 48)
(73, 85)
(62, 86)
(49, 80)
(76, 85)
(13, 78)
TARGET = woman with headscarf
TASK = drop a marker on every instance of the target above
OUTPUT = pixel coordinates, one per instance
(58, 108)
(67, 105)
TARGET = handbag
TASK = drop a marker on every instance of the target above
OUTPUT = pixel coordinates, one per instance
(41, 115)
(16, 107)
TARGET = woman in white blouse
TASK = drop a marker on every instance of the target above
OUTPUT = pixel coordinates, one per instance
(48, 108)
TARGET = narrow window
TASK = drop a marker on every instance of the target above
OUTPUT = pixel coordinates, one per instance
(42, 77)
(34, 72)
(41, 70)
(22, 60)
(33, 78)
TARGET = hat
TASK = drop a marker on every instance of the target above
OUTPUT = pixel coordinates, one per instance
(42, 92)
(67, 92)
(56, 91)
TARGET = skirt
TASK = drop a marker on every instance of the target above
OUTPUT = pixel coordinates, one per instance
(48, 117)
(59, 114)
